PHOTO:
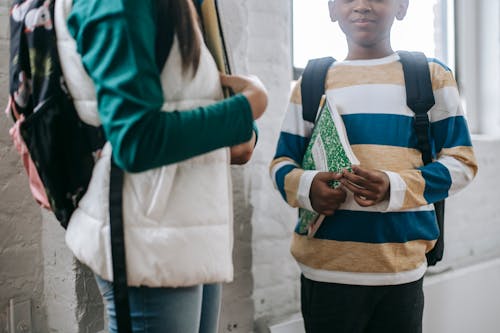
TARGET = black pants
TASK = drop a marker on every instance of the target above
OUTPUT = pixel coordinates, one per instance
(342, 308)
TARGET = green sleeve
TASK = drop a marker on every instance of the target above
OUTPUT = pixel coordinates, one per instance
(116, 40)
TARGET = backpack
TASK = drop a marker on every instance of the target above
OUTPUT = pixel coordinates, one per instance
(57, 148)
(419, 98)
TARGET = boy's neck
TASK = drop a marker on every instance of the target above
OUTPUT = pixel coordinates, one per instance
(357, 52)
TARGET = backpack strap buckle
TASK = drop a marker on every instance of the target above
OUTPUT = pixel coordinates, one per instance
(422, 129)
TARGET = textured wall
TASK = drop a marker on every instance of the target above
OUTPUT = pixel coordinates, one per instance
(21, 269)
(265, 275)
(71, 298)
(275, 273)
(34, 262)
(237, 306)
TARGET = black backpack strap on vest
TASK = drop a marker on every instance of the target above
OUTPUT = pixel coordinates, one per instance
(420, 99)
(120, 285)
(313, 86)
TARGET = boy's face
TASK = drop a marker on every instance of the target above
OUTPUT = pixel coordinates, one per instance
(367, 23)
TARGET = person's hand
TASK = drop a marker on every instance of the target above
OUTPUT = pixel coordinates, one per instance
(240, 154)
(251, 87)
(368, 186)
(324, 199)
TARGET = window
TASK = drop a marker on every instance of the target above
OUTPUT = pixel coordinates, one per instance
(463, 34)
(478, 63)
(428, 27)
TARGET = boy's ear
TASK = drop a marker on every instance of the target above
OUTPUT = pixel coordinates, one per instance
(333, 10)
(402, 9)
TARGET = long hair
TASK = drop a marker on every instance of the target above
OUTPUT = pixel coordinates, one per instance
(178, 17)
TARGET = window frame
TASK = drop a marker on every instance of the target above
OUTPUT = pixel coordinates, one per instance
(478, 63)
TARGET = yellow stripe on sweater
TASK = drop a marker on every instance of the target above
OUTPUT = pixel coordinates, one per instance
(391, 73)
(404, 161)
(463, 154)
(292, 181)
(278, 160)
(296, 96)
(359, 257)
(346, 76)
(441, 77)
(389, 158)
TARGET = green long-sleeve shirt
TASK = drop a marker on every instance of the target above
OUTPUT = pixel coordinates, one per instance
(116, 39)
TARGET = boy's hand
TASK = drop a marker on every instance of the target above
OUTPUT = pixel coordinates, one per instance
(324, 199)
(249, 86)
(368, 186)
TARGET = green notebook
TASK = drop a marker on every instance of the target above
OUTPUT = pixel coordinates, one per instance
(328, 150)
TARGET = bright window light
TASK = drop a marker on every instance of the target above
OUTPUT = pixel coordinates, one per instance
(425, 28)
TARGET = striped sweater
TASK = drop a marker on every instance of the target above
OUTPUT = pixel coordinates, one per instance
(383, 244)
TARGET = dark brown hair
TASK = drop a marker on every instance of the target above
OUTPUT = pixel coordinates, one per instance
(178, 17)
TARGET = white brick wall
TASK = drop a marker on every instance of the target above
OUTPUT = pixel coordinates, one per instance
(259, 38)
(21, 269)
(275, 273)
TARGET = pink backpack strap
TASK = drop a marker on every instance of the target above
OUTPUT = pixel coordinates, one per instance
(36, 185)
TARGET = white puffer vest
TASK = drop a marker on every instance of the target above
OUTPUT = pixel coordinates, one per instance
(177, 218)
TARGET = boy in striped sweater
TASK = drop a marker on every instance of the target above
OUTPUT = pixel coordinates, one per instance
(363, 269)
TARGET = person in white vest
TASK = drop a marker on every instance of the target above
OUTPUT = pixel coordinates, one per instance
(174, 137)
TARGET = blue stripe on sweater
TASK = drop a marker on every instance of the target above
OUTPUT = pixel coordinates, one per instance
(291, 145)
(451, 132)
(436, 61)
(398, 130)
(380, 129)
(374, 227)
(280, 178)
(437, 182)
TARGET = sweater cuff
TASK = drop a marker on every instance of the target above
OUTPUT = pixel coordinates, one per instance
(397, 192)
(241, 102)
(305, 188)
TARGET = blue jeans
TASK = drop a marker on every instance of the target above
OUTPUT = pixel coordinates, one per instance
(162, 310)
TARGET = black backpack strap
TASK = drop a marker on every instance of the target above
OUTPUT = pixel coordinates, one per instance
(436, 254)
(164, 42)
(120, 285)
(313, 86)
(420, 99)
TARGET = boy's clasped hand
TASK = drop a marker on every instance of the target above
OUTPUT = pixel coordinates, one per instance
(368, 186)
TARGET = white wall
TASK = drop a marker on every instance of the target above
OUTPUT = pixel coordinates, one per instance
(21, 269)
(464, 300)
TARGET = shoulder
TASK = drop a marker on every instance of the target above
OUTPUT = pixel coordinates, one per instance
(95, 8)
(87, 11)
(441, 74)
(445, 89)
(296, 95)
